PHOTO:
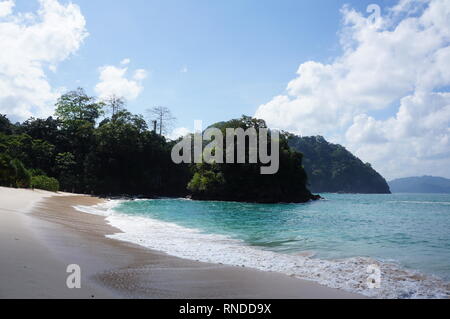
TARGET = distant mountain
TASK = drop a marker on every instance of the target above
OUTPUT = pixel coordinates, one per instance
(424, 184)
(333, 169)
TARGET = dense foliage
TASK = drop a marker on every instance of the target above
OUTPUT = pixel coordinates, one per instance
(117, 156)
(82, 150)
(331, 168)
(244, 182)
(13, 173)
(44, 182)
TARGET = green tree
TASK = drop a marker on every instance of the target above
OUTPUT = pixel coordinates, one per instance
(78, 114)
(45, 183)
(207, 182)
(22, 177)
(244, 182)
(17, 147)
(119, 156)
(78, 106)
(42, 155)
(7, 172)
(65, 167)
(333, 169)
(42, 129)
(5, 125)
(115, 104)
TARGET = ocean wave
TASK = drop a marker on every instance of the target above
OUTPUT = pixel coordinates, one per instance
(350, 274)
(419, 202)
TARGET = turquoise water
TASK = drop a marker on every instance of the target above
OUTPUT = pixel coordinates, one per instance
(412, 230)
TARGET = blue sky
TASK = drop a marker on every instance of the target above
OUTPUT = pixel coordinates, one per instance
(239, 54)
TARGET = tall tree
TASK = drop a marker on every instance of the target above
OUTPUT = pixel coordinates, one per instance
(163, 117)
(115, 104)
(65, 168)
(78, 114)
(78, 106)
(5, 125)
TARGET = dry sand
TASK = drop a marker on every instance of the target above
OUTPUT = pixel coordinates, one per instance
(29, 269)
(41, 234)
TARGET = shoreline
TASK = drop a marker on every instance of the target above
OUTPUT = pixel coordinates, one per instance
(28, 268)
(55, 235)
(186, 241)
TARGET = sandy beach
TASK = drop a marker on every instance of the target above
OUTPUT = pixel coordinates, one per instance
(41, 234)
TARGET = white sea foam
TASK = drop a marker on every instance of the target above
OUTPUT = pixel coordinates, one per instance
(348, 274)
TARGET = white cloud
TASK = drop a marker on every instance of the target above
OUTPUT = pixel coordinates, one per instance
(179, 132)
(125, 61)
(113, 81)
(29, 44)
(6, 7)
(402, 61)
(140, 75)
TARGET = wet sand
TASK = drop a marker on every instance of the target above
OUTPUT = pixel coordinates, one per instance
(41, 234)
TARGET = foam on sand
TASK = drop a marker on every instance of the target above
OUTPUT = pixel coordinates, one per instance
(349, 274)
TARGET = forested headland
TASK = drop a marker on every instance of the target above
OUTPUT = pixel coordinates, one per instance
(331, 168)
(95, 147)
(84, 149)
(244, 182)
(98, 147)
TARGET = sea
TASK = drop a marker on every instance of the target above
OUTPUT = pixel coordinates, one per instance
(380, 246)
